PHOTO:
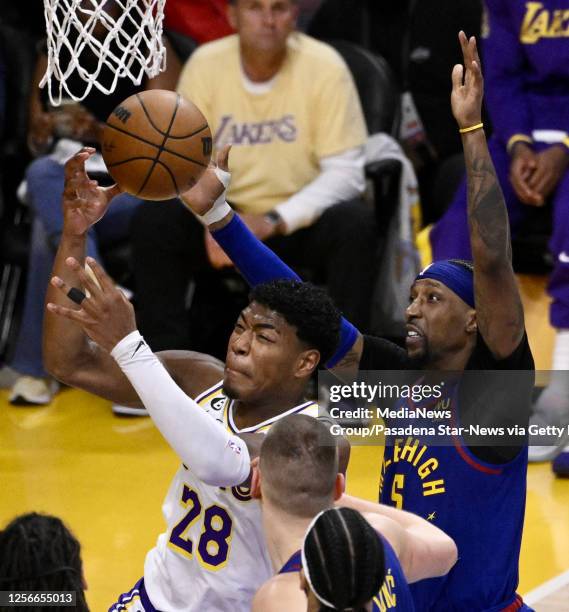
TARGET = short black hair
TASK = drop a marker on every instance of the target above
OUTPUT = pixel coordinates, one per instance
(345, 559)
(299, 465)
(39, 553)
(307, 308)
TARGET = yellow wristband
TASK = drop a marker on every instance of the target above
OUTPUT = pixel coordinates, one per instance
(471, 128)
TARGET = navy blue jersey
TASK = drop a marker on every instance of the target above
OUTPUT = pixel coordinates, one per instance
(459, 493)
(294, 564)
(477, 502)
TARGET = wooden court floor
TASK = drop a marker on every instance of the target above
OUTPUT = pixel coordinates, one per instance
(107, 476)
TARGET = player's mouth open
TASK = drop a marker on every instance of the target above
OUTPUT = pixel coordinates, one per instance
(414, 334)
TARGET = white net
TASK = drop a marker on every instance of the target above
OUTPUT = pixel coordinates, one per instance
(96, 42)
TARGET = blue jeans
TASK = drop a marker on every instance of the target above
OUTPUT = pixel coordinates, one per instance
(45, 179)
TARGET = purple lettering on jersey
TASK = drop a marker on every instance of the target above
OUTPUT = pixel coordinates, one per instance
(225, 121)
(257, 133)
(288, 129)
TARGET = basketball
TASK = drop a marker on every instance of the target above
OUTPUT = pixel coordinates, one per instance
(156, 144)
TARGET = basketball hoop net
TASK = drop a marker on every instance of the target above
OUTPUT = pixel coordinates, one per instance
(129, 45)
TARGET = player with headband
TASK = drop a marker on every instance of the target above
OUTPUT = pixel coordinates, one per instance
(462, 316)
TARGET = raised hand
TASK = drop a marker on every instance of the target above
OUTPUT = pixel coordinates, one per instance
(84, 202)
(106, 316)
(467, 85)
(201, 197)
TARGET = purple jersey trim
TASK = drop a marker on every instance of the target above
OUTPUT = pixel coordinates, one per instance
(137, 591)
(294, 564)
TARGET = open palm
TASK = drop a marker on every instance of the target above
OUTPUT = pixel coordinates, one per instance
(84, 202)
(467, 85)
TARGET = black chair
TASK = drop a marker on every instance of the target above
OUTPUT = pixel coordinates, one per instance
(380, 100)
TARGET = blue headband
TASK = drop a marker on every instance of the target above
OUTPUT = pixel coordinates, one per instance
(457, 278)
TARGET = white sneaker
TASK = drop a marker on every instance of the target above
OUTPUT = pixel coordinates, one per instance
(129, 411)
(33, 391)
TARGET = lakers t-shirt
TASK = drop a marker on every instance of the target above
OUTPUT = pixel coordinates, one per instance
(310, 111)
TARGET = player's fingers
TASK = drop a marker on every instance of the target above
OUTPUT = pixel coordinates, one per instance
(476, 72)
(79, 316)
(463, 46)
(536, 177)
(76, 164)
(74, 294)
(545, 185)
(223, 157)
(112, 191)
(475, 54)
(105, 281)
(457, 74)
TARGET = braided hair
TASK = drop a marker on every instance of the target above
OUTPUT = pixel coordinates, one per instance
(39, 553)
(343, 560)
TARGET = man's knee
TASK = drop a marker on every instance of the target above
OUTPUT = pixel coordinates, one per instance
(44, 168)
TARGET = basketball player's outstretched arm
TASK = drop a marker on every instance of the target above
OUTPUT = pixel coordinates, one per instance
(499, 310)
(69, 355)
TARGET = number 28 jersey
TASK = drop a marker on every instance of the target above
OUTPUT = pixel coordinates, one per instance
(213, 555)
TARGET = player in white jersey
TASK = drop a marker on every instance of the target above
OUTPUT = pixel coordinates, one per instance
(213, 555)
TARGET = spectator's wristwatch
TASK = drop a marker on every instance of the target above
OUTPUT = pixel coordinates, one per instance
(273, 217)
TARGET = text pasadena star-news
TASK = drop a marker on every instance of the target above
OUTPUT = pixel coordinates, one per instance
(446, 430)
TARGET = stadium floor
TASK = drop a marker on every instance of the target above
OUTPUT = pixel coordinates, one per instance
(107, 476)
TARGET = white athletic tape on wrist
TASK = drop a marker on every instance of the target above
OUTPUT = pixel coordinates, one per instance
(220, 208)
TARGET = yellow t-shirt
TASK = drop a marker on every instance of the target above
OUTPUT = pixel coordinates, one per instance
(312, 110)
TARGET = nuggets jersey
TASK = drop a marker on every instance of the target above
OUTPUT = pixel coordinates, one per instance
(394, 593)
(213, 555)
(480, 505)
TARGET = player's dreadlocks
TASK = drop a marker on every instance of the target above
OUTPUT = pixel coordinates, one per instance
(39, 553)
(343, 559)
(305, 306)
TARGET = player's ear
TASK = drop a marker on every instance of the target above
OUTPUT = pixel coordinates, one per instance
(255, 479)
(307, 362)
(471, 323)
(339, 486)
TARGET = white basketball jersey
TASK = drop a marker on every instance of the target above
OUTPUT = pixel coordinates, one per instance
(213, 556)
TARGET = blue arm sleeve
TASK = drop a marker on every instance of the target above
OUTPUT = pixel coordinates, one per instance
(258, 264)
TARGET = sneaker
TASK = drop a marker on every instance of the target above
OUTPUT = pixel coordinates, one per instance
(33, 391)
(129, 411)
(550, 409)
(561, 464)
